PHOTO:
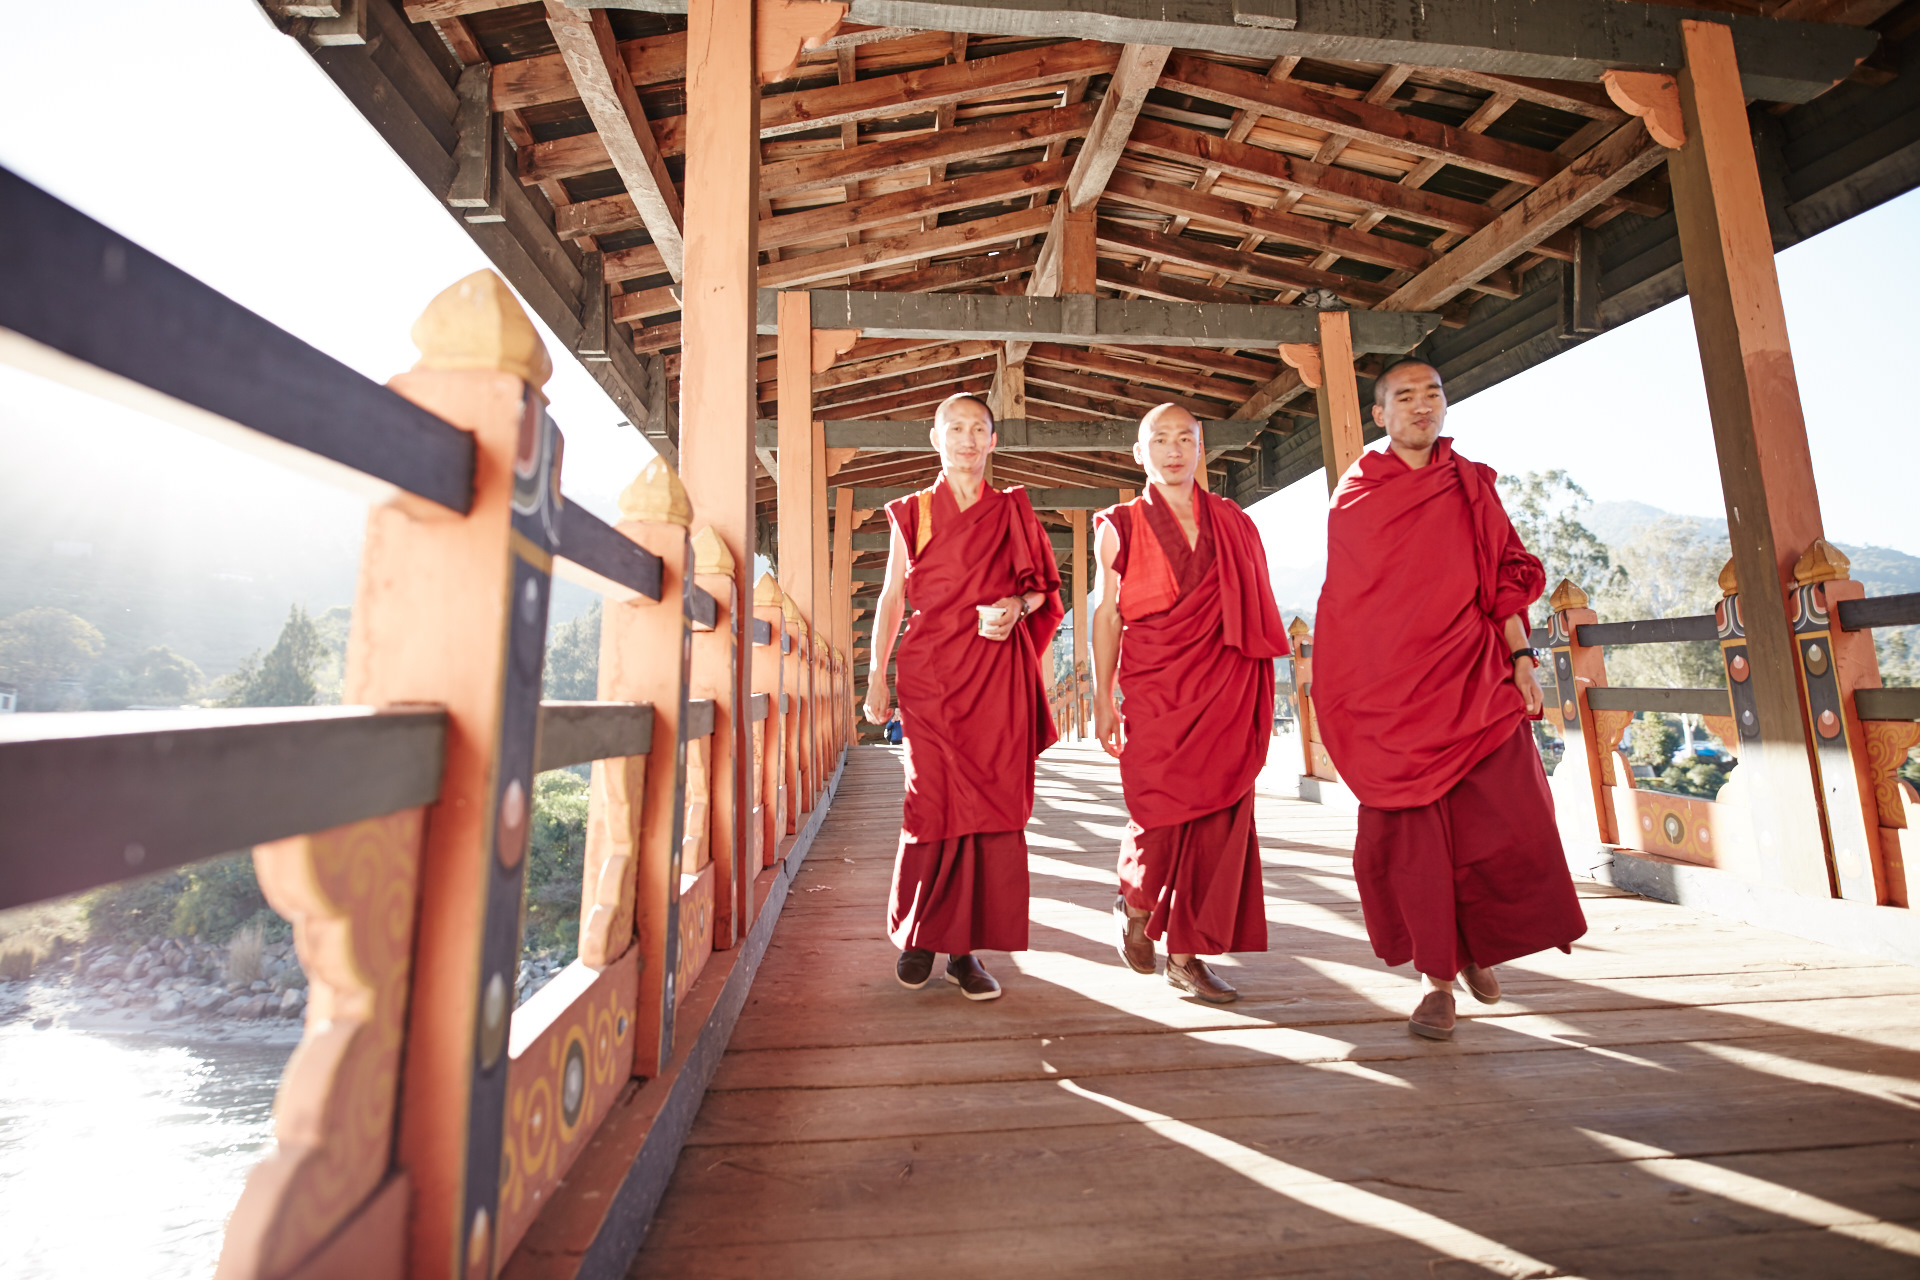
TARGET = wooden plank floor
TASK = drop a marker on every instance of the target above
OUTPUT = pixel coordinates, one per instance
(1681, 1096)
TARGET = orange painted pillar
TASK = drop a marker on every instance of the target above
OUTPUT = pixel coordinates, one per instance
(1766, 470)
(718, 659)
(1341, 439)
(718, 390)
(843, 616)
(1080, 621)
(767, 680)
(1580, 800)
(453, 610)
(797, 487)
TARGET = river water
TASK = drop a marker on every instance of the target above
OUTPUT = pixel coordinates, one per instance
(121, 1155)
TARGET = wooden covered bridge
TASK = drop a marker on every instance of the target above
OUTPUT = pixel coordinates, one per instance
(777, 232)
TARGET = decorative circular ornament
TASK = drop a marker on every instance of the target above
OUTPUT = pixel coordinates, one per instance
(573, 1083)
(1704, 836)
(493, 1022)
(1816, 660)
(1828, 724)
(511, 843)
(1675, 830)
(1646, 822)
(1567, 709)
(1738, 667)
(479, 1246)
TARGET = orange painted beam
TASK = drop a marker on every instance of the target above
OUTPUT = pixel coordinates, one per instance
(717, 369)
(1341, 440)
(802, 475)
(1760, 434)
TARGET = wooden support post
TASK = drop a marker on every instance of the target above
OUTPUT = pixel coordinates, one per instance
(770, 750)
(717, 374)
(843, 616)
(1078, 272)
(1766, 470)
(454, 611)
(793, 723)
(796, 489)
(1338, 397)
(823, 615)
(646, 656)
(1582, 806)
(716, 658)
(1080, 616)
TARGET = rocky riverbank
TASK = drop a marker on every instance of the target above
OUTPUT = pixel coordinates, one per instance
(170, 984)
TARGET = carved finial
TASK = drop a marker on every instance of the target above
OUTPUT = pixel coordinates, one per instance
(766, 592)
(1567, 595)
(1823, 562)
(1298, 627)
(1729, 581)
(477, 323)
(1303, 357)
(656, 496)
(710, 555)
(789, 608)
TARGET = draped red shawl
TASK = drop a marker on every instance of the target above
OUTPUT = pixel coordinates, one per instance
(974, 710)
(1412, 683)
(1196, 677)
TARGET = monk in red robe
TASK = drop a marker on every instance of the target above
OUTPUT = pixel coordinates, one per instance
(1423, 682)
(986, 600)
(1188, 623)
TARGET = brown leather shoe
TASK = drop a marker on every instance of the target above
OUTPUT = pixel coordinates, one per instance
(972, 978)
(1483, 983)
(1433, 1016)
(1197, 980)
(1136, 948)
(914, 967)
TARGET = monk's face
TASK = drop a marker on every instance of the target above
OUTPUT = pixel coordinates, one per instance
(1413, 408)
(1168, 447)
(963, 436)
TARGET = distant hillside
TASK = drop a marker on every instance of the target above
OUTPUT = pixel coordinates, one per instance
(1884, 571)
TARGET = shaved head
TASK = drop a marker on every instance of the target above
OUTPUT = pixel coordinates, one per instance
(958, 400)
(1166, 415)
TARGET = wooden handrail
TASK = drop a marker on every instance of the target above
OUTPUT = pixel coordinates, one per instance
(699, 721)
(1880, 611)
(1649, 631)
(582, 732)
(598, 547)
(1699, 702)
(1887, 704)
(95, 797)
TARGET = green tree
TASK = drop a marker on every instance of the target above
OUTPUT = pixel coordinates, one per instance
(157, 677)
(573, 659)
(1654, 741)
(556, 862)
(284, 677)
(330, 674)
(1545, 507)
(1672, 570)
(46, 652)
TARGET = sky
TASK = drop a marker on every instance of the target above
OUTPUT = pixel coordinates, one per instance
(224, 149)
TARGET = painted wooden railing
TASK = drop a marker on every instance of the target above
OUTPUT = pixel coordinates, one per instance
(1862, 732)
(423, 1124)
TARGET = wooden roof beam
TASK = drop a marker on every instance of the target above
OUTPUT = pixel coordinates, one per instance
(1014, 435)
(1622, 157)
(1356, 120)
(1195, 384)
(1120, 390)
(587, 44)
(1262, 269)
(980, 233)
(899, 207)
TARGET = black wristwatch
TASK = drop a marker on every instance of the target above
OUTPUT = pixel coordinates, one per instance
(1533, 654)
(1025, 607)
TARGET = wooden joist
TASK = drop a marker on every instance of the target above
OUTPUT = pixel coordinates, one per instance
(1342, 186)
(898, 207)
(1263, 269)
(587, 45)
(963, 142)
(1197, 384)
(1013, 435)
(1357, 120)
(979, 233)
(1117, 390)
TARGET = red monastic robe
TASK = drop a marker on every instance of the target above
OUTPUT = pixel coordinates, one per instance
(1201, 631)
(975, 717)
(1458, 858)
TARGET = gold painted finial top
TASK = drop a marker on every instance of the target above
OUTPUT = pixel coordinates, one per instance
(1823, 562)
(1567, 595)
(710, 555)
(1729, 581)
(789, 608)
(477, 323)
(1298, 627)
(656, 496)
(766, 592)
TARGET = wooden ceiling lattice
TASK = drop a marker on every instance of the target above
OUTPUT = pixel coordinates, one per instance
(941, 161)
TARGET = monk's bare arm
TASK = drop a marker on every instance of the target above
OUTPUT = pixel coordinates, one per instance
(886, 629)
(1524, 679)
(1105, 636)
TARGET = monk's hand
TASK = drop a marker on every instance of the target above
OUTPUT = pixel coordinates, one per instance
(1009, 615)
(1526, 679)
(879, 706)
(1106, 726)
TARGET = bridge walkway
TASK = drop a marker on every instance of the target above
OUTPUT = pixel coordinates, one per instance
(1682, 1095)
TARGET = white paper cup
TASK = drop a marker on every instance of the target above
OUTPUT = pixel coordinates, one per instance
(990, 616)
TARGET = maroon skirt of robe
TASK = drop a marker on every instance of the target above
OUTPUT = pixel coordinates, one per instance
(960, 895)
(1475, 877)
(1198, 881)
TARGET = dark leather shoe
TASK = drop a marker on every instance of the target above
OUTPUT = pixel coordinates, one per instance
(1136, 948)
(1433, 1016)
(1484, 983)
(972, 978)
(1200, 982)
(914, 968)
